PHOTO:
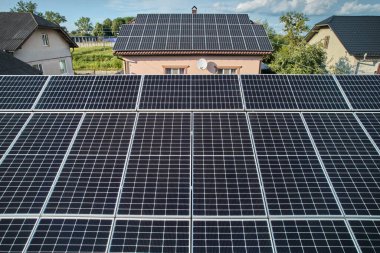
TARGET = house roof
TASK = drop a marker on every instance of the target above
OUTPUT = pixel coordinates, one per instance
(184, 34)
(16, 28)
(359, 34)
(10, 65)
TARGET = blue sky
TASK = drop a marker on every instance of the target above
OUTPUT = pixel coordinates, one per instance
(269, 10)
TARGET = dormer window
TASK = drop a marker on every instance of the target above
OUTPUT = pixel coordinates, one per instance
(45, 40)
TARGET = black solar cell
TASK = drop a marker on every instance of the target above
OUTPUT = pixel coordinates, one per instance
(14, 234)
(10, 125)
(371, 121)
(367, 234)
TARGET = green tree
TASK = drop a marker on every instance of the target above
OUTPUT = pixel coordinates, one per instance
(116, 23)
(294, 26)
(29, 6)
(55, 17)
(128, 19)
(342, 67)
(84, 26)
(98, 30)
(107, 27)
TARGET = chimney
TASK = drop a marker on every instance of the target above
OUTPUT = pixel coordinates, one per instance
(194, 10)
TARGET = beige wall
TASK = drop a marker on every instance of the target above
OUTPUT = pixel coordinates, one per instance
(336, 50)
(154, 65)
(34, 52)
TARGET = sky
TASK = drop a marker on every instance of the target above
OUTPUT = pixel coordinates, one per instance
(264, 10)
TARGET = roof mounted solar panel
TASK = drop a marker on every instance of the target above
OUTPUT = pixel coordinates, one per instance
(14, 234)
(363, 91)
(371, 122)
(20, 92)
(10, 125)
(367, 234)
(90, 93)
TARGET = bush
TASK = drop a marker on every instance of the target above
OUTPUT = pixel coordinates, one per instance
(95, 58)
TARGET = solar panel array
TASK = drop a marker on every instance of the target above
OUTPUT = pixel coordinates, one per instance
(271, 163)
(204, 32)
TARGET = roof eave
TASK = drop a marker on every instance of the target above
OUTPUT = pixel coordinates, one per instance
(181, 53)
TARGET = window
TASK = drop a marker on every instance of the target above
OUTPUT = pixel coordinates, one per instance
(62, 66)
(326, 41)
(38, 66)
(378, 69)
(226, 71)
(45, 40)
(174, 71)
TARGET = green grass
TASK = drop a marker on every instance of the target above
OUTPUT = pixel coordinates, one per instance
(95, 58)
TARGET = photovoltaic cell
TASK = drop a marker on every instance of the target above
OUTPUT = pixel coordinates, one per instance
(312, 236)
(294, 182)
(70, 235)
(10, 125)
(231, 236)
(90, 179)
(367, 234)
(28, 172)
(350, 159)
(316, 92)
(169, 236)
(363, 91)
(166, 92)
(20, 92)
(268, 92)
(158, 173)
(14, 234)
(371, 122)
(90, 92)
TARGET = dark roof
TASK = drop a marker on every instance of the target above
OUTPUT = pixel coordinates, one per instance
(10, 65)
(192, 33)
(16, 28)
(358, 34)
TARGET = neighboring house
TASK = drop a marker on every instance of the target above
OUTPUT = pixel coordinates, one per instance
(354, 40)
(192, 44)
(36, 41)
(10, 65)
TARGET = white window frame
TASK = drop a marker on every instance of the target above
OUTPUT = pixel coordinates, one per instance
(175, 70)
(63, 70)
(45, 40)
(227, 70)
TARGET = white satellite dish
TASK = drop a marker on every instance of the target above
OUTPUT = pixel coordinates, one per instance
(202, 64)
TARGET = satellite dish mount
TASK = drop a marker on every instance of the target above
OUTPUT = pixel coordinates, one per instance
(202, 64)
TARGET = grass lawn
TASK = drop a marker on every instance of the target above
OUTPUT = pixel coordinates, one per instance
(95, 58)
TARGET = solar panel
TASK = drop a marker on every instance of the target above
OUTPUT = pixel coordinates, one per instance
(90, 92)
(14, 234)
(27, 173)
(316, 92)
(20, 92)
(243, 236)
(70, 235)
(312, 236)
(362, 91)
(268, 92)
(350, 159)
(10, 125)
(158, 179)
(90, 179)
(367, 234)
(293, 179)
(371, 121)
(151, 236)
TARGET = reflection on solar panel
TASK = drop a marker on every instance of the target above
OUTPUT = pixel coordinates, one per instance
(27, 174)
(188, 32)
(90, 92)
(363, 92)
(70, 235)
(20, 92)
(371, 122)
(350, 159)
(231, 236)
(158, 178)
(90, 179)
(169, 236)
(367, 233)
(14, 234)
(10, 125)
(294, 182)
(312, 236)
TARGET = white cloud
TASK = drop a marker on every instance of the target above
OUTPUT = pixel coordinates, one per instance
(253, 5)
(355, 7)
(318, 7)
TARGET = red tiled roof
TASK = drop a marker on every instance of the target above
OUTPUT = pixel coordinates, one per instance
(178, 52)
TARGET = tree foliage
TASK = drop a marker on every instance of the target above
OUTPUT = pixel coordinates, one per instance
(98, 30)
(107, 27)
(84, 26)
(342, 67)
(55, 17)
(294, 26)
(29, 6)
(116, 23)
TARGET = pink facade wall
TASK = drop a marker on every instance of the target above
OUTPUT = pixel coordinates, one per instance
(154, 65)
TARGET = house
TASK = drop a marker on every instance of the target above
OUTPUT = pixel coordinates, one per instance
(192, 44)
(36, 41)
(350, 40)
(10, 65)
